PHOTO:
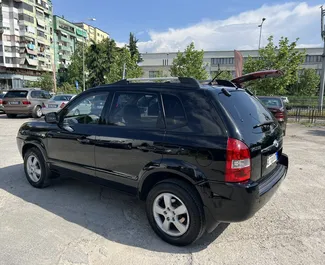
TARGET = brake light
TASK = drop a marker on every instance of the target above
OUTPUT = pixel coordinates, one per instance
(0, 101)
(279, 115)
(26, 102)
(238, 161)
(62, 105)
(4, 102)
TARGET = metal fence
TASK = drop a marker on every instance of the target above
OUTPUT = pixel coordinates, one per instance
(310, 114)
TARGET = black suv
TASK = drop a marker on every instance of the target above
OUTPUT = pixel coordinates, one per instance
(197, 154)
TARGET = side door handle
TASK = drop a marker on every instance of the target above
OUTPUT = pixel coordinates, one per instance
(83, 140)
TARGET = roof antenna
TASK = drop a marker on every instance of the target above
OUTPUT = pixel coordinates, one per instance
(218, 73)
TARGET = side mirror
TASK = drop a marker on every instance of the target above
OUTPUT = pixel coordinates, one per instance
(52, 117)
(288, 107)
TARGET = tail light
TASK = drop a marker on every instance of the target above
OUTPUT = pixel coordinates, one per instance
(62, 105)
(4, 102)
(26, 102)
(238, 161)
(279, 116)
(0, 101)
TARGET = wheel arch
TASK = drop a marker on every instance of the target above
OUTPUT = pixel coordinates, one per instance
(34, 144)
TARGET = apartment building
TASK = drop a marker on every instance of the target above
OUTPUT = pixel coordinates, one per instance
(94, 34)
(26, 49)
(66, 37)
(154, 64)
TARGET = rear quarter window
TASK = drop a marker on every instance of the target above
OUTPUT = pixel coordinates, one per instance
(246, 110)
(16, 94)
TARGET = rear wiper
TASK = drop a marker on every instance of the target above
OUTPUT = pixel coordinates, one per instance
(263, 124)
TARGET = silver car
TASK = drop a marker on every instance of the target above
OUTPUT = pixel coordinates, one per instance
(26, 101)
(57, 102)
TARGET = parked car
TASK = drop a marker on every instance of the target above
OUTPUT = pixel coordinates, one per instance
(278, 109)
(1, 105)
(26, 101)
(285, 100)
(56, 103)
(198, 155)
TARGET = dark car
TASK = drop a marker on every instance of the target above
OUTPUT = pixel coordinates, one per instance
(197, 154)
(1, 105)
(278, 109)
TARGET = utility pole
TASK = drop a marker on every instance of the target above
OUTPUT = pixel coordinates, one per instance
(261, 27)
(83, 66)
(124, 71)
(322, 83)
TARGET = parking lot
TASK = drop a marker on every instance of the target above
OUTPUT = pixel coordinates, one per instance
(73, 222)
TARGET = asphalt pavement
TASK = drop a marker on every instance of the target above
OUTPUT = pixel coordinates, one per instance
(73, 222)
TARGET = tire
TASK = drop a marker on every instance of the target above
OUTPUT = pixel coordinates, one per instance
(37, 112)
(39, 175)
(11, 116)
(192, 222)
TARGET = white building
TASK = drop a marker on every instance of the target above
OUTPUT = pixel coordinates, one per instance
(155, 63)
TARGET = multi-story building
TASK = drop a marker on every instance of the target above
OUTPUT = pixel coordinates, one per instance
(94, 34)
(66, 37)
(154, 64)
(25, 41)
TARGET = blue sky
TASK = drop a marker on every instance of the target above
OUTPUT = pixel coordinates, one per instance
(147, 18)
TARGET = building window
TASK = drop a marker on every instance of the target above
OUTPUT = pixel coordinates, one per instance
(153, 74)
(27, 18)
(27, 7)
(313, 59)
(216, 61)
(9, 60)
(41, 34)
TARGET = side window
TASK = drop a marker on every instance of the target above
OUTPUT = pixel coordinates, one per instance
(137, 110)
(35, 94)
(174, 112)
(86, 110)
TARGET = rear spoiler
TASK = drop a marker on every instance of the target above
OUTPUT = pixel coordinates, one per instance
(257, 75)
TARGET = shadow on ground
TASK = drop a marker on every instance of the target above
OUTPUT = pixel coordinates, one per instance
(316, 132)
(112, 215)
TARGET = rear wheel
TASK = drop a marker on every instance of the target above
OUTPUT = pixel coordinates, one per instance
(11, 116)
(37, 112)
(36, 170)
(175, 212)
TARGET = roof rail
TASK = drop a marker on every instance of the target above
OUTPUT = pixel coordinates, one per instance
(192, 82)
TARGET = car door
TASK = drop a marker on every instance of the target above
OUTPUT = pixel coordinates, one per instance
(129, 139)
(70, 145)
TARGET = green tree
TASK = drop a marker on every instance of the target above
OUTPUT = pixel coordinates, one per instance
(123, 56)
(68, 89)
(283, 57)
(75, 69)
(189, 64)
(308, 83)
(133, 47)
(45, 81)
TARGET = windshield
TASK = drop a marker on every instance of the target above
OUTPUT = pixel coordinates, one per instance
(62, 98)
(271, 102)
(16, 94)
(246, 110)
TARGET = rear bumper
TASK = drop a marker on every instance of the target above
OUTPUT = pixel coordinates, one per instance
(235, 202)
(23, 110)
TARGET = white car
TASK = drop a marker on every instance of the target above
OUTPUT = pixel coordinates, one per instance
(285, 100)
(56, 103)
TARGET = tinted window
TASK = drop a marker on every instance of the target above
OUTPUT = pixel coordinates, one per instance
(62, 98)
(139, 110)
(1, 95)
(40, 94)
(16, 94)
(86, 110)
(174, 112)
(272, 102)
(35, 94)
(247, 111)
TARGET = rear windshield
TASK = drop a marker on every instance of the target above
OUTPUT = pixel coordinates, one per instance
(246, 110)
(272, 102)
(1, 95)
(62, 98)
(16, 94)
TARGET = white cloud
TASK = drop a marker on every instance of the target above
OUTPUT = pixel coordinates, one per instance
(291, 20)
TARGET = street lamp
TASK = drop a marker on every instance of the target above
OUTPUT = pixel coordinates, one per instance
(83, 59)
(261, 27)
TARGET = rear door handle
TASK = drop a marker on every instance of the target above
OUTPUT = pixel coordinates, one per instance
(83, 140)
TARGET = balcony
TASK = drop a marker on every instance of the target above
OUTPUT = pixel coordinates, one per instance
(65, 56)
(65, 48)
(65, 39)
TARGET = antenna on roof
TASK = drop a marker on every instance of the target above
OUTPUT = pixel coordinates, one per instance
(219, 73)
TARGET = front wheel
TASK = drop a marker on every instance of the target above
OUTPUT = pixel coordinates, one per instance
(36, 170)
(175, 212)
